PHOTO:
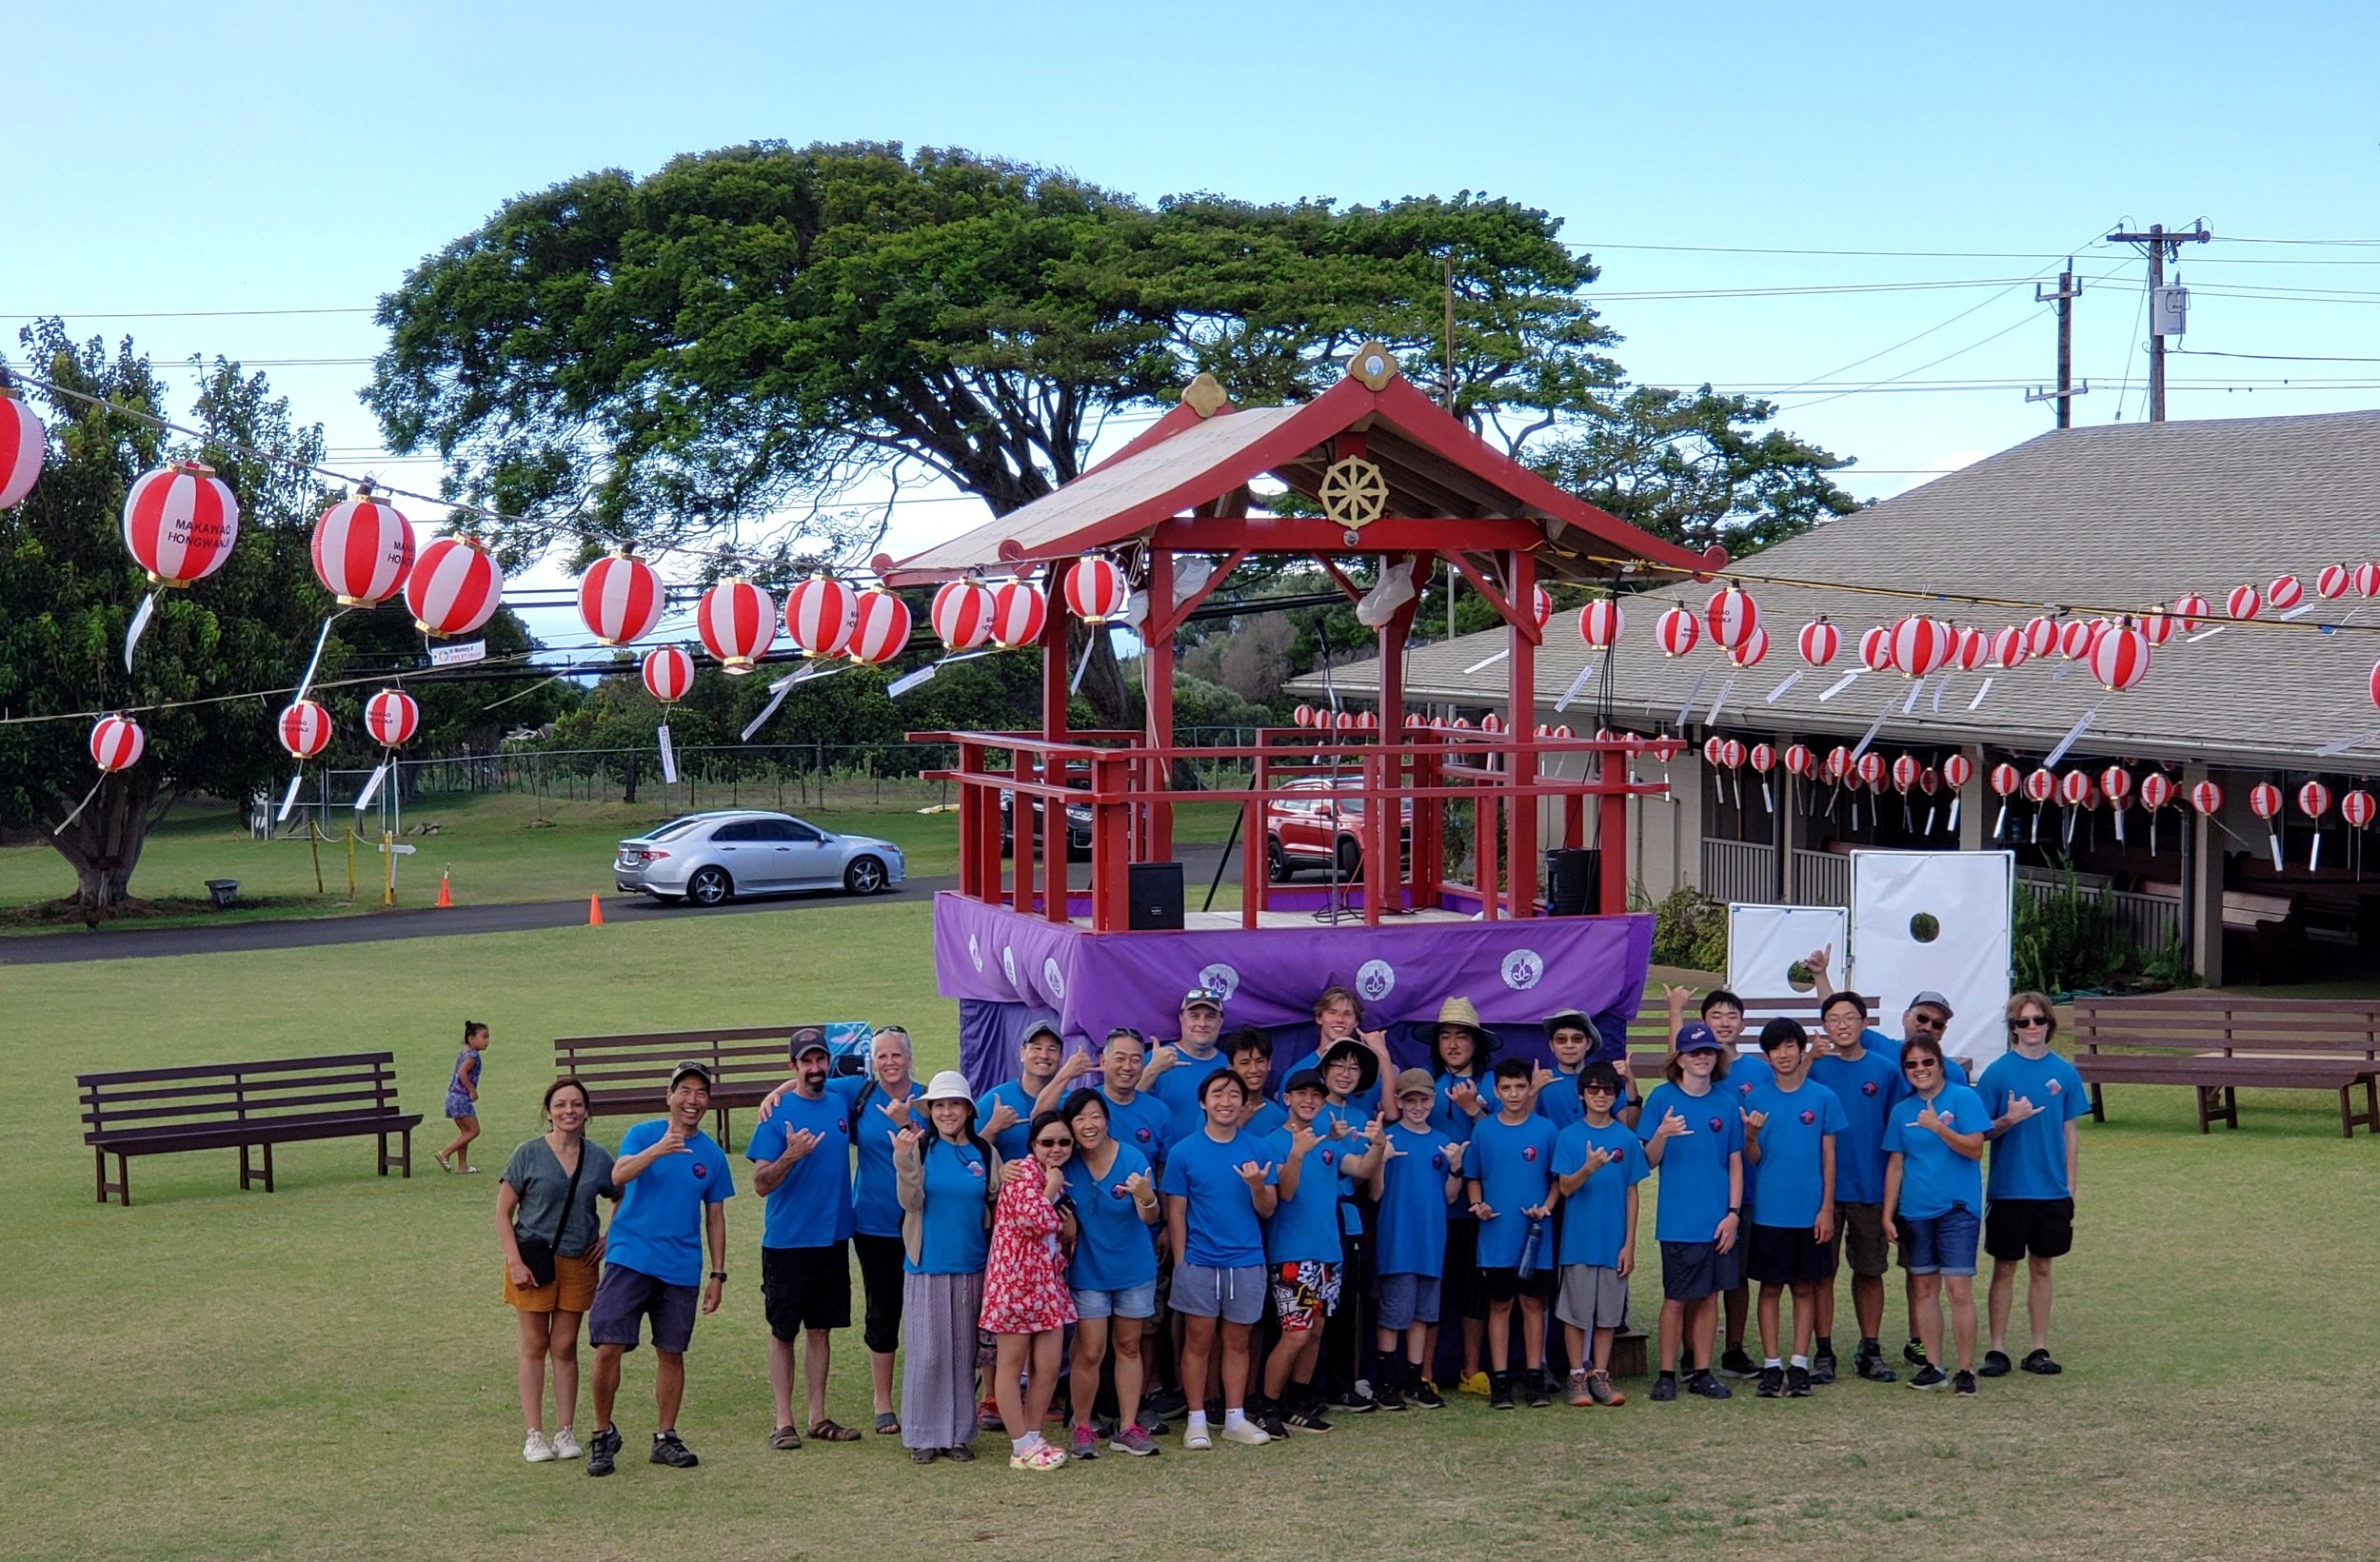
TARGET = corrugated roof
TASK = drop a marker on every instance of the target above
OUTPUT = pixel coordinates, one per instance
(2117, 515)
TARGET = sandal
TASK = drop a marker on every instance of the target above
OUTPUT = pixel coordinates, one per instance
(828, 1431)
(887, 1425)
(784, 1437)
(961, 1453)
(925, 1456)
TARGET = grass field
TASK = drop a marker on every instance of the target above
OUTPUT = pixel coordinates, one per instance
(326, 1370)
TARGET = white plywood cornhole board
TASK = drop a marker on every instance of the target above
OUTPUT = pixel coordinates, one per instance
(1970, 898)
(1763, 943)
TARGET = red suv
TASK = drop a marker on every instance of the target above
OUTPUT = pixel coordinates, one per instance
(1318, 822)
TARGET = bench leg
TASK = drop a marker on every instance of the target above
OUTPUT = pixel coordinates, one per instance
(269, 1166)
(407, 1140)
(124, 1181)
(99, 1160)
(383, 1154)
(246, 1172)
(2230, 1106)
(2098, 1106)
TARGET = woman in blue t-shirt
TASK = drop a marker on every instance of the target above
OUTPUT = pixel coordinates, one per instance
(949, 1181)
(1934, 1205)
(1113, 1274)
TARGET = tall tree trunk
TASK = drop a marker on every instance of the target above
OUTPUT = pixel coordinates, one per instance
(104, 842)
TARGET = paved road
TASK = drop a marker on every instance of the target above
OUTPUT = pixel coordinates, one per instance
(371, 927)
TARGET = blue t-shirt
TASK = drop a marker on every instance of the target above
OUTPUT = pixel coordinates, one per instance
(658, 1230)
(1351, 1147)
(1514, 1164)
(2028, 1162)
(1792, 1144)
(1413, 1204)
(1746, 1073)
(875, 1189)
(1934, 1178)
(1866, 1089)
(1368, 1099)
(952, 1237)
(1305, 1229)
(1012, 1142)
(811, 1208)
(1693, 1165)
(1452, 1121)
(1115, 1250)
(1144, 1122)
(1178, 1087)
(1265, 1120)
(1224, 1232)
(1595, 1219)
(1560, 1102)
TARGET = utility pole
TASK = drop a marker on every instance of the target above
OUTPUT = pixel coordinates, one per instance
(2161, 246)
(2068, 290)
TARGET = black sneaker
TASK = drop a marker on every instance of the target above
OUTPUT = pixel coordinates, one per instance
(1771, 1384)
(1914, 1352)
(1387, 1397)
(1539, 1393)
(2039, 1361)
(1425, 1395)
(1355, 1403)
(1822, 1368)
(1797, 1381)
(601, 1450)
(1995, 1364)
(1268, 1418)
(1929, 1376)
(1664, 1388)
(1709, 1387)
(669, 1450)
(1163, 1402)
(1963, 1385)
(1306, 1419)
(1733, 1362)
(1870, 1365)
(1500, 1391)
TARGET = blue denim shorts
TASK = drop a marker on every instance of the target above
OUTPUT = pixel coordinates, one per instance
(1133, 1301)
(1940, 1244)
(1404, 1301)
(1235, 1295)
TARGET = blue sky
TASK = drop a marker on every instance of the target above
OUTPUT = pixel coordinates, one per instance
(255, 157)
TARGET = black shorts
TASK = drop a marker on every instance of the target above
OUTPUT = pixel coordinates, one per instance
(1787, 1255)
(1462, 1296)
(1503, 1285)
(626, 1298)
(2042, 1227)
(880, 1272)
(1691, 1270)
(806, 1288)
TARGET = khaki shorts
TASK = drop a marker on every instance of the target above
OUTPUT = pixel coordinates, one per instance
(1860, 1230)
(573, 1288)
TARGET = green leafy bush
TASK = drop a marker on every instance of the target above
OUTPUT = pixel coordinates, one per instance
(1689, 929)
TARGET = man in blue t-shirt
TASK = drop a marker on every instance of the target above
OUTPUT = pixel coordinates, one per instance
(1134, 1117)
(802, 1165)
(1176, 1073)
(2034, 1097)
(1790, 1126)
(1004, 1113)
(674, 1183)
(1865, 1084)
(1219, 1185)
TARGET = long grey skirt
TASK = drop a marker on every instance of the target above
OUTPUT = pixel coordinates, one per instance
(937, 1317)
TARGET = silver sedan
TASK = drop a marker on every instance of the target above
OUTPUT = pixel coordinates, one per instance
(713, 857)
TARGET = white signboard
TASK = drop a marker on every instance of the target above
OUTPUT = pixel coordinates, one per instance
(1938, 921)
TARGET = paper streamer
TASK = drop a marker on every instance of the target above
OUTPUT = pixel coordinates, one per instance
(2276, 851)
(289, 802)
(1692, 695)
(1716, 701)
(1090, 642)
(1839, 685)
(1979, 694)
(80, 806)
(785, 686)
(2119, 826)
(1874, 727)
(1917, 687)
(910, 680)
(1482, 666)
(669, 755)
(2313, 857)
(1575, 685)
(2068, 742)
(1999, 825)
(2343, 745)
(1938, 689)
(1791, 678)
(1767, 801)
(1953, 825)
(2061, 672)
(364, 799)
(316, 659)
(140, 621)
(1930, 814)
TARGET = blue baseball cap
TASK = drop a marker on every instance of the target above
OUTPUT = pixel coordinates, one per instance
(1698, 1038)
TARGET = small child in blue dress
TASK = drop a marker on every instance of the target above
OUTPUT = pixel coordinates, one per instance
(462, 1098)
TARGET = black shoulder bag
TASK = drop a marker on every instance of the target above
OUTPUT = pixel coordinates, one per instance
(537, 1253)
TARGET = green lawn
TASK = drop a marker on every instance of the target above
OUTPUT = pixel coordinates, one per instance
(326, 1370)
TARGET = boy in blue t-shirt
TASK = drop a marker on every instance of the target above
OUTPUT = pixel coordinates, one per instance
(1570, 1036)
(1694, 1135)
(2034, 1097)
(1251, 1054)
(1508, 1173)
(1866, 1082)
(1219, 1184)
(1597, 1163)
(1418, 1174)
(1301, 1244)
(1934, 1205)
(1789, 1129)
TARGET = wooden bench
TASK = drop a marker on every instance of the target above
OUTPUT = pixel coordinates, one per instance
(243, 1107)
(631, 1074)
(2217, 1044)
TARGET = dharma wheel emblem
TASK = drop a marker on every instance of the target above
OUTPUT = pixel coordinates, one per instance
(1354, 492)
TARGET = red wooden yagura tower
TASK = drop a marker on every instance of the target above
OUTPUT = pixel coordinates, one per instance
(1401, 480)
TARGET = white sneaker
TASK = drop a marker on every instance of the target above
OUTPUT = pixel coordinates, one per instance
(566, 1446)
(1245, 1432)
(537, 1450)
(1197, 1437)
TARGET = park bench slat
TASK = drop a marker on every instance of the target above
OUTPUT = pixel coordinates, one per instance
(2217, 1044)
(624, 1073)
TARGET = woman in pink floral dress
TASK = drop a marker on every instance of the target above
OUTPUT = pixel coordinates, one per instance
(1025, 1299)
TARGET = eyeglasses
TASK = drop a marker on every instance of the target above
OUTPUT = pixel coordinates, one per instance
(1597, 1090)
(2028, 1023)
(1913, 1064)
(1053, 1144)
(1927, 1022)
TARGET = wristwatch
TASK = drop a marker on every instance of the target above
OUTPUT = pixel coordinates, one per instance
(719, 1275)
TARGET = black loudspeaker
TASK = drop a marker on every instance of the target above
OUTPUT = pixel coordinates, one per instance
(1155, 892)
(1572, 874)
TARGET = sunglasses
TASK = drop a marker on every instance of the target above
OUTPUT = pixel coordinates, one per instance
(1927, 1022)
(1053, 1144)
(1915, 1063)
(2028, 1023)
(1597, 1090)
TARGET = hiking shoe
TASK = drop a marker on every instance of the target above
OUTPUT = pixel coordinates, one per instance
(1600, 1389)
(537, 1450)
(1664, 1389)
(1247, 1432)
(1963, 1385)
(1425, 1395)
(1709, 1386)
(1084, 1443)
(1733, 1362)
(1267, 1418)
(1798, 1382)
(1500, 1391)
(1579, 1393)
(567, 1446)
(1914, 1352)
(1540, 1393)
(1199, 1438)
(669, 1450)
(602, 1449)
(1771, 1384)
(1822, 1367)
(1388, 1397)
(1928, 1377)
(1870, 1365)
(1995, 1364)
(1307, 1418)
(1135, 1441)
(1474, 1383)
(2039, 1361)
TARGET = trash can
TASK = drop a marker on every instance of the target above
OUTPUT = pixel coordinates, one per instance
(223, 892)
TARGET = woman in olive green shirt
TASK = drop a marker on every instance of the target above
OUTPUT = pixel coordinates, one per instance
(538, 1181)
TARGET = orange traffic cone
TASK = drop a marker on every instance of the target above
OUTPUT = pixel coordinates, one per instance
(594, 911)
(445, 892)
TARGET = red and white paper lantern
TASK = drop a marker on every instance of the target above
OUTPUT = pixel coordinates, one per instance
(1601, 623)
(2075, 789)
(2244, 603)
(2120, 660)
(1732, 616)
(2117, 782)
(1541, 605)
(822, 615)
(391, 718)
(1819, 642)
(962, 615)
(180, 522)
(1491, 723)
(2041, 785)
(1675, 632)
(1095, 588)
(1920, 646)
(1838, 762)
(668, 672)
(2156, 625)
(621, 600)
(2313, 799)
(2206, 798)
(2368, 580)
(1958, 770)
(1871, 768)
(2284, 594)
(304, 729)
(453, 588)
(1973, 648)
(1798, 760)
(116, 741)
(2041, 635)
(2356, 808)
(1303, 715)
(1875, 650)
(2264, 799)
(1905, 772)
(879, 629)
(2007, 781)
(738, 624)
(2156, 790)
(2333, 582)
(2074, 639)
(1731, 754)
(2191, 611)
(1761, 757)
(1019, 612)
(361, 549)
(23, 442)
(2011, 647)
(1752, 650)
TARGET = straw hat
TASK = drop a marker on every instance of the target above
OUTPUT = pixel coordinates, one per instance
(1458, 1011)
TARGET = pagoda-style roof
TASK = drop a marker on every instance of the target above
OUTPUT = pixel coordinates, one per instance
(1446, 488)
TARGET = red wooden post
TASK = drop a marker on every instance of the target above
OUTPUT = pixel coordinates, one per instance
(1023, 812)
(1110, 860)
(1483, 829)
(970, 826)
(1611, 834)
(1520, 716)
(1157, 684)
